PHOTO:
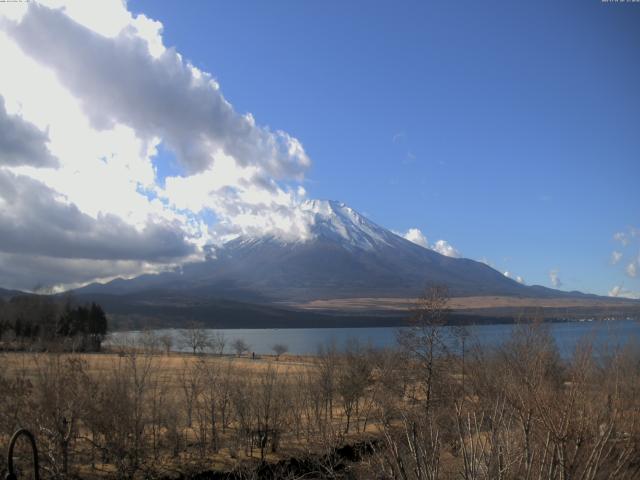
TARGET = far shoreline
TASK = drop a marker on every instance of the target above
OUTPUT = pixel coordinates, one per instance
(405, 324)
(360, 321)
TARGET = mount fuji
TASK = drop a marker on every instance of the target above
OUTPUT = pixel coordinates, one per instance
(345, 255)
(342, 270)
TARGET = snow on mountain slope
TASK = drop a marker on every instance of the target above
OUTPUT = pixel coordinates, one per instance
(336, 221)
(333, 221)
(346, 255)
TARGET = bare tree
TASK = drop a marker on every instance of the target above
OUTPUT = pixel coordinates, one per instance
(195, 338)
(218, 342)
(424, 340)
(149, 341)
(119, 428)
(240, 346)
(269, 408)
(413, 450)
(279, 349)
(58, 402)
(166, 341)
(325, 386)
(190, 383)
(213, 401)
(354, 377)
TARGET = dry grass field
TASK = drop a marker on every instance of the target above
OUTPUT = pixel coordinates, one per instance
(465, 303)
(421, 411)
(172, 365)
(251, 400)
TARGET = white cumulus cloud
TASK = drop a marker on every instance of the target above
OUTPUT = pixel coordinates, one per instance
(443, 247)
(632, 269)
(517, 278)
(620, 291)
(416, 236)
(629, 243)
(555, 279)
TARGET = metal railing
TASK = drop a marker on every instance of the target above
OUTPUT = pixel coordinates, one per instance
(11, 474)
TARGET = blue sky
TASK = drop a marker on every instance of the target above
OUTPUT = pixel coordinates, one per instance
(512, 129)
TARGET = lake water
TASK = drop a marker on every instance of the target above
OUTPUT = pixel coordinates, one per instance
(303, 341)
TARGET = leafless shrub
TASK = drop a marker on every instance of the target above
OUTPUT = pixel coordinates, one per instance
(240, 346)
(279, 349)
(58, 401)
(217, 343)
(166, 341)
(354, 378)
(149, 341)
(195, 338)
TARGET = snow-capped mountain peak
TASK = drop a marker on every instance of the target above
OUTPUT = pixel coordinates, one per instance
(342, 255)
(336, 221)
(328, 220)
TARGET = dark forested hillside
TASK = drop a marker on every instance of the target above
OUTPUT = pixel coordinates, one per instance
(43, 321)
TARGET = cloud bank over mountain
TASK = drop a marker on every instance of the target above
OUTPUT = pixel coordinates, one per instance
(90, 99)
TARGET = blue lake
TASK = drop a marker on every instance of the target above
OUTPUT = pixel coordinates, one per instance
(303, 341)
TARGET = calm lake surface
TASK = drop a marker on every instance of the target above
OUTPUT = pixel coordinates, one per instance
(304, 341)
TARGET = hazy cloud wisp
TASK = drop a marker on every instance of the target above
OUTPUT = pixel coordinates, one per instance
(555, 279)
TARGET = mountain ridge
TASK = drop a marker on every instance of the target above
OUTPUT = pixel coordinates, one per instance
(343, 255)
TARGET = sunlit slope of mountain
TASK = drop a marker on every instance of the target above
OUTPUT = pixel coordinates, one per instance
(345, 255)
